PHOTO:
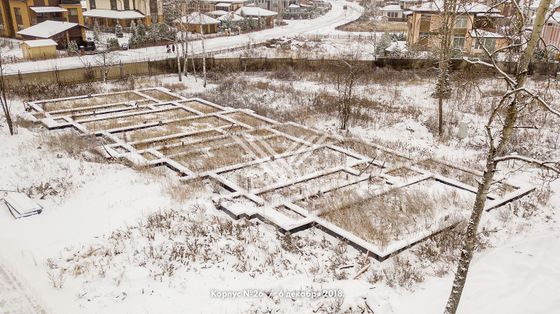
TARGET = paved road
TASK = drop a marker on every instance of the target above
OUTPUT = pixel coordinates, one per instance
(323, 24)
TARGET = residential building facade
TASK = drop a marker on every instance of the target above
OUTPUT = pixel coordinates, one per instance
(16, 15)
(108, 13)
(425, 22)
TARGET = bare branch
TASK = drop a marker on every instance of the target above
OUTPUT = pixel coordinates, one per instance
(546, 164)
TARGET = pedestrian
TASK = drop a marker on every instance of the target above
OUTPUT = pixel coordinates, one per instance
(173, 48)
(168, 48)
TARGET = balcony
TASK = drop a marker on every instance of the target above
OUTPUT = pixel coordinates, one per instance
(69, 1)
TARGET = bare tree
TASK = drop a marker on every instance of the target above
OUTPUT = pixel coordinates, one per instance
(3, 100)
(203, 50)
(443, 87)
(500, 127)
(345, 87)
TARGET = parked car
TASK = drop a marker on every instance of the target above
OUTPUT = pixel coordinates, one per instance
(124, 46)
(89, 46)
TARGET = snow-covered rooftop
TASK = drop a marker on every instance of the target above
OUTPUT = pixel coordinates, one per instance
(199, 18)
(391, 7)
(231, 17)
(47, 29)
(114, 14)
(485, 34)
(48, 9)
(217, 13)
(223, 4)
(40, 43)
(254, 12)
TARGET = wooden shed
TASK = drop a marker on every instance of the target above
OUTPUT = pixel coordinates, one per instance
(38, 49)
(196, 22)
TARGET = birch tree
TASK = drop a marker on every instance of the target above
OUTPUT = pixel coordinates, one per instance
(443, 87)
(500, 127)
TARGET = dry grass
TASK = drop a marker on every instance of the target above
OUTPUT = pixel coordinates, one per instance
(392, 216)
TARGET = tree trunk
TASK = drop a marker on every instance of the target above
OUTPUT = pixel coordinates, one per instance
(488, 176)
(203, 56)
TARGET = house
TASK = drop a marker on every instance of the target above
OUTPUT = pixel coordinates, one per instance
(214, 5)
(486, 39)
(273, 5)
(16, 15)
(197, 23)
(551, 31)
(38, 49)
(407, 4)
(393, 13)
(424, 24)
(265, 16)
(60, 32)
(108, 13)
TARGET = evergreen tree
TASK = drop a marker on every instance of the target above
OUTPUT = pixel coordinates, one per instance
(96, 31)
(73, 47)
(118, 31)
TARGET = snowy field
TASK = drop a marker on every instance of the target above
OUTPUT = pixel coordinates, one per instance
(109, 231)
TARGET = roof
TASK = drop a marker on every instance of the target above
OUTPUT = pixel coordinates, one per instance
(223, 4)
(254, 12)
(114, 14)
(40, 43)
(485, 34)
(391, 7)
(217, 13)
(47, 29)
(232, 17)
(293, 5)
(48, 9)
(472, 7)
(199, 19)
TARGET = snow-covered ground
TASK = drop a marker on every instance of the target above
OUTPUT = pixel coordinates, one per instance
(97, 215)
(326, 23)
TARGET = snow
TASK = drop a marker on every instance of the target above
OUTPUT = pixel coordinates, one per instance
(114, 14)
(217, 13)
(231, 17)
(47, 29)
(40, 43)
(518, 274)
(196, 18)
(254, 12)
(391, 7)
(40, 10)
(485, 34)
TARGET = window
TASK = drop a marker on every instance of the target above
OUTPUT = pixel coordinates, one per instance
(73, 15)
(459, 43)
(19, 18)
(1, 21)
(488, 43)
(461, 22)
(92, 4)
(126, 5)
(113, 4)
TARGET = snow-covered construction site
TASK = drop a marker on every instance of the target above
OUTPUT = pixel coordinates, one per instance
(324, 156)
(291, 176)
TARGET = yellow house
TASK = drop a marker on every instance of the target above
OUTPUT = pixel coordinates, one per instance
(425, 22)
(17, 15)
(196, 22)
(38, 49)
(108, 13)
